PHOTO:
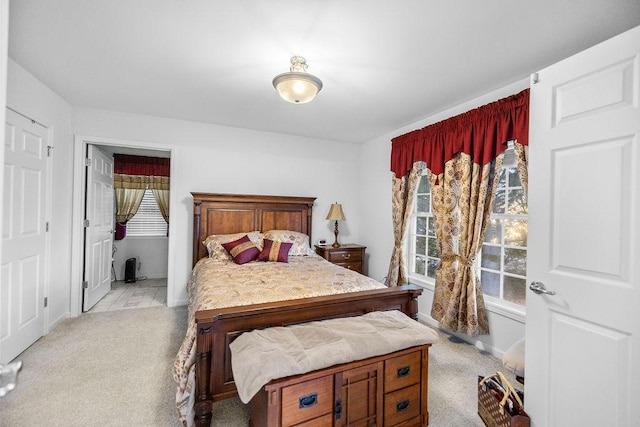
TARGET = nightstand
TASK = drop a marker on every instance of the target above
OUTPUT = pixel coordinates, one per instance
(350, 256)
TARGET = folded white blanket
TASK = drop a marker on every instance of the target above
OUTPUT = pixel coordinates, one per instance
(260, 356)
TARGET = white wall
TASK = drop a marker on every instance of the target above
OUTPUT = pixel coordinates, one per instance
(150, 252)
(210, 158)
(376, 225)
(29, 96)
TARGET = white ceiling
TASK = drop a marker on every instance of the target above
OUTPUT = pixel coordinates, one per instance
(384, 64)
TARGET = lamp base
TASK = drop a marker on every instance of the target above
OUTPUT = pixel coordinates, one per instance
(335, 231)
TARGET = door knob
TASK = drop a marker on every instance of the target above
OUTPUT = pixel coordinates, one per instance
(540, 288)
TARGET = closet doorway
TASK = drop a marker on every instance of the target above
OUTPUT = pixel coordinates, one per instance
(137, 262)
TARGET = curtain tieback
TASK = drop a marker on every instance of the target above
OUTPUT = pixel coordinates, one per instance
(455, 257)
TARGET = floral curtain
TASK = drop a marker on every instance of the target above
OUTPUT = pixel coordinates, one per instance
(522, 161)
(462, 202)
(402, 198)
(462, 155)
(133, 175)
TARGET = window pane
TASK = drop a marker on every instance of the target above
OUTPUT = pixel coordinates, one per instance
(494, 232)
(515, 232)
(423, 186)
(514, 290)
(423, 203)
(419, 266)
(515, 261)
(432, 266)
(517, 202)
(421, 245)
(432, 226)
(421, 225)
(514, 178)
(491, 257)
(490, 283)
(433, 248)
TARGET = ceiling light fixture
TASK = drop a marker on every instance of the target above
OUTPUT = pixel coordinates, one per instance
(297, 86)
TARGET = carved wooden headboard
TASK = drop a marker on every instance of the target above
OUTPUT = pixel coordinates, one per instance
(237, 213)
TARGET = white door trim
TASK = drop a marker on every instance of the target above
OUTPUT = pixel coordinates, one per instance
(4, 59)
(77, 229)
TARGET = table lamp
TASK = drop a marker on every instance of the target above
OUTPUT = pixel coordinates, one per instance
(336, 214)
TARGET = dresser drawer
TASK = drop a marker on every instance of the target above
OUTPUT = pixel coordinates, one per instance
(345, 256)
(402, 405)
(307, 400)
(402, 371)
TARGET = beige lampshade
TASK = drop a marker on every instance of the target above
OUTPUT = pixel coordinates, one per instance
(335, 213)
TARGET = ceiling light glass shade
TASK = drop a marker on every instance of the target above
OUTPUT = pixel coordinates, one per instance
(297, 86)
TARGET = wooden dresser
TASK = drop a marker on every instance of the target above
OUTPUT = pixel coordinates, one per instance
(349, 256)
(388, 390)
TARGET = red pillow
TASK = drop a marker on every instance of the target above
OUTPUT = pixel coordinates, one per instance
(275, 251)
(242, 250)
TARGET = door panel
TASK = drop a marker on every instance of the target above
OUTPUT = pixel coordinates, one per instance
(98, 237)
(23, 236)
(584, 239)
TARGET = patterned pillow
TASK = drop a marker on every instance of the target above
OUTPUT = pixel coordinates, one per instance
(275, 251)
(242, 250)
(215, 241)
(300, 241)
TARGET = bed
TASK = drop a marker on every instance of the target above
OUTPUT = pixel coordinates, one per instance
(208, 376)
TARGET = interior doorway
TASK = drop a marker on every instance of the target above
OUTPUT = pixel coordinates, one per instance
(151, 284)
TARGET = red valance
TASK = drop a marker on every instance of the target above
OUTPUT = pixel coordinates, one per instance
(141, 165)
(481, 133)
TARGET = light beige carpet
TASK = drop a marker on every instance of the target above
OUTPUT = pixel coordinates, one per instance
(114, 369)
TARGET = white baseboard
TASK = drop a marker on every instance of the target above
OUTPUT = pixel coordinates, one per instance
(430, 321)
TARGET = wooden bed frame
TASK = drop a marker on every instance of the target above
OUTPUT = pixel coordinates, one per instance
(216, 329)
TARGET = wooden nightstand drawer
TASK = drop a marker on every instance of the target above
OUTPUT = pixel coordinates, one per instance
(351, 266)
(307, 400)
(338, 256)
(349, 256)
(402, 405)
(402, 371)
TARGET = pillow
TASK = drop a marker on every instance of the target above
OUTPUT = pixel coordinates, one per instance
(242, 250)
(215, 241)
(300, 241)
(275, 251)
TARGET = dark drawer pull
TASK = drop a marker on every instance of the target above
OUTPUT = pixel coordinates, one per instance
(308, 400)
(404, 371)
(402, 405)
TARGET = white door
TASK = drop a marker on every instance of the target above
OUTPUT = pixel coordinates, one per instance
(23, 235)
(583, 343)
(99, 227)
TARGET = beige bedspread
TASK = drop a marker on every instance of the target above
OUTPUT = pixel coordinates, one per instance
(263, 355)
(224, 284)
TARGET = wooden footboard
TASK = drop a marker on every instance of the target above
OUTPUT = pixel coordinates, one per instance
(216, 329)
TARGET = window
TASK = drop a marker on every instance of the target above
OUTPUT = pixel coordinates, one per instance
(503, 258)
(424, 250)
(148, 221)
